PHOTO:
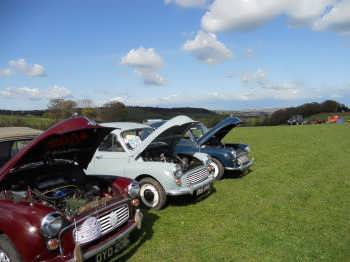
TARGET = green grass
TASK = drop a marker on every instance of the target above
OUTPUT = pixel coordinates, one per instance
(293, 206)
(30, 121)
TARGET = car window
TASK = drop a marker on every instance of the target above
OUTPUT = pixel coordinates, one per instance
(196, 132)
(18, 145)
(5, 149)
(133, 138)
(111, 144)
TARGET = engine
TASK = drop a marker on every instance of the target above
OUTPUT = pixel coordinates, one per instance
(186, 162)
(70, 192)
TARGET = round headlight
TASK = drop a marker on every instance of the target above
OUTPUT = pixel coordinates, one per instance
(247, 149)
(51, 224)
(178, 171)
(234, 155)
(133, 189)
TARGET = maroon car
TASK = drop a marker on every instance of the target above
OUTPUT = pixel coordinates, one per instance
(51, 211)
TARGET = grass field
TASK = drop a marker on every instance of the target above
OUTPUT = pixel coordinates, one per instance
(31, 121)
(293, 206)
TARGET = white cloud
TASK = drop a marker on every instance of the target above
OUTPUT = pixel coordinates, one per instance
(227, 15)
(146, 63)
(25, 92)
(337, 19)
(187, 3)
(259, 76)
(22, 66)
(206, 48)
(6, 72)
(265, 88)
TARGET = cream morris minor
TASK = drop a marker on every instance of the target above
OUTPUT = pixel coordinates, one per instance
(136, 151)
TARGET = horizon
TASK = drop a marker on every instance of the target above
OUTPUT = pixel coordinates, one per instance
(175, 53)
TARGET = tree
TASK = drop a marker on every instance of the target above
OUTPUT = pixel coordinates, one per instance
(113, 111)
(87, 108)
(329, 106)
(60, 108)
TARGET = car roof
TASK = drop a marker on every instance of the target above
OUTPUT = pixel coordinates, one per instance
(17, 133)
(123, 126)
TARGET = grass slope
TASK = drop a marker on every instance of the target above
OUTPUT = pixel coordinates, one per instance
(293, 206)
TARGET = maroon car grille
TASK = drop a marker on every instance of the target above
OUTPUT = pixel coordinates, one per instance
(197, 177)
(114, 219)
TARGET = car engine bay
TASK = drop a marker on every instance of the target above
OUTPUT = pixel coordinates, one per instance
(161, 154)
(70, 192)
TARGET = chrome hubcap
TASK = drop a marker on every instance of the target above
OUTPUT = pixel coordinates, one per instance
(4, 257)
(149, 195)
(216, 169)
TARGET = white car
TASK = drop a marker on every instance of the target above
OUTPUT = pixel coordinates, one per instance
(139, 152)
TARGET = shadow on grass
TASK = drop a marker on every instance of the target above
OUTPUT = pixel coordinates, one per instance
(236, 174)
(188, 199)
(138, 237)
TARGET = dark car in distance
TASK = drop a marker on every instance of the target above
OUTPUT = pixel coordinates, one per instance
(51, 211)
(233, 156)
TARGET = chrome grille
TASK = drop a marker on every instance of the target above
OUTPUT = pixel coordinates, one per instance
(114, 219)
(197, 177)
(243, 158)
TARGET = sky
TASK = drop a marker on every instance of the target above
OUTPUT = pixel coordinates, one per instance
(216, 54)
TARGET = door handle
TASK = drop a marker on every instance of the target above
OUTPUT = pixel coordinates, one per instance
(99, 157)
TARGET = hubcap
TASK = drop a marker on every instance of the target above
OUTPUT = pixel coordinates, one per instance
(4, 257)
(216, 169)
(149, 195)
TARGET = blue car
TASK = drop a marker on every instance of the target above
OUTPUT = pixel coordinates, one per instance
(199, 138)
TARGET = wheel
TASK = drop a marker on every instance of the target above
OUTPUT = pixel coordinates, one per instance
(152, 193)
(218, 168)
(7, 251)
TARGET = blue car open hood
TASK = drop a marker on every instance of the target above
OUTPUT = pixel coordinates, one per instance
(220, 130)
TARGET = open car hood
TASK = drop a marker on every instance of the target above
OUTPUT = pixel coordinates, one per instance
(75, 139)
(220, 130)
(170, 133)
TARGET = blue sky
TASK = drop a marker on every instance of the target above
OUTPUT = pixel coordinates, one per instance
(218, 54)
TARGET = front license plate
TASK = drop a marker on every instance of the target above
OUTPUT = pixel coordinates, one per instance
(203, 189)
(109, 252)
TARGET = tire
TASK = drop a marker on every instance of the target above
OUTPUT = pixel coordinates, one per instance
(152, 193)
(8, 252)
(218, 169)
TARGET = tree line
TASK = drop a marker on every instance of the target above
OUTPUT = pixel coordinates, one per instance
(281, 116)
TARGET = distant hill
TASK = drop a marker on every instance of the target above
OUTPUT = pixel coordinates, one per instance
(138, 113)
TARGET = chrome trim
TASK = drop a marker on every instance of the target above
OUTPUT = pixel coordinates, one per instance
(196, 176)
(242, 167)
(97, 213)
(192, 189)
(44, 222)
(110, 242)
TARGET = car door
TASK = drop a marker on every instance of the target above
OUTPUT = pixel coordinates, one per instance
(110, 158)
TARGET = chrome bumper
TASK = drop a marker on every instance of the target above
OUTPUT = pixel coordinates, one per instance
(242, 167)
(190, 189)
(123, 236)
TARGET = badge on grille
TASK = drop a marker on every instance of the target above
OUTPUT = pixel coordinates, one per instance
(113, 219)
(88, 231)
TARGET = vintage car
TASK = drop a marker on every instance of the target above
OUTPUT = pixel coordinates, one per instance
(224, 156)
(136, 151)
(51, 211)
(12, 139)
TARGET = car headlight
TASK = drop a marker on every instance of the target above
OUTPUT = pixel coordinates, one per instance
(247, 148)
(51, 224)
(133, 189)
(234, 155)
(178, 171)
